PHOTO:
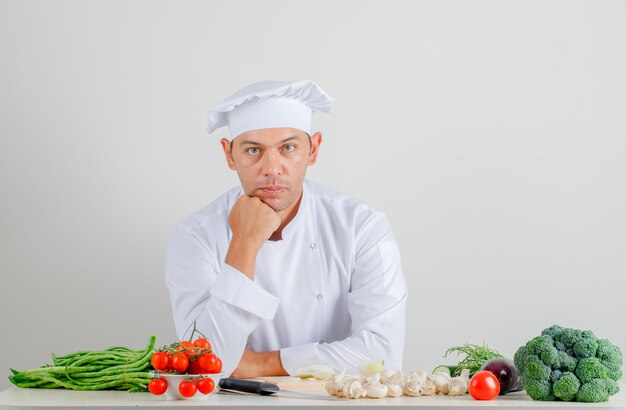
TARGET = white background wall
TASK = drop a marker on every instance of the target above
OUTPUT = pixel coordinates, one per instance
(491, 133)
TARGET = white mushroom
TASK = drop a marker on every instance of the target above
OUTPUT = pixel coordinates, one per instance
(373, 379)
(428, 388)
(393, 390)
(389, 377)
(458, 385)
(377, 391)
(353, 388)
(394, 382)
(441, 381)
(334, 385)
(418, 384)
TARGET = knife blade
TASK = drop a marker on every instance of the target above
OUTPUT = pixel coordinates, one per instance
(265, 389)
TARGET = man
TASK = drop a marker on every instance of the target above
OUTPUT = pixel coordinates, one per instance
(283, 273)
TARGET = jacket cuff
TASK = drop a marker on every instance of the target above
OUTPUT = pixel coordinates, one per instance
(237, 289)
(295, 357)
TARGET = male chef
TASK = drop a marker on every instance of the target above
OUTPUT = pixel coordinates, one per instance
(282, 273)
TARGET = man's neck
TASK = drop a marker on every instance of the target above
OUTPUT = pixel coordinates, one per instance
(286, 216)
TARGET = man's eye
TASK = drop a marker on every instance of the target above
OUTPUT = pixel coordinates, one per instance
(289, 148)
(253, 151)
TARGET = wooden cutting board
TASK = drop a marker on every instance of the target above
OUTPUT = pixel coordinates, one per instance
(297, 384)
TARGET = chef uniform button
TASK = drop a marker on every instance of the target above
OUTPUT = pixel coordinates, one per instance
(312, 245)
(319, 296)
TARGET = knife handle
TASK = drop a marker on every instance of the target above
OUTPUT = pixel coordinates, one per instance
(248, 386)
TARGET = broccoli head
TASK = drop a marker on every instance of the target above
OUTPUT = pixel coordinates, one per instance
(569, 364)
(586, 347)
(519, 358)
(591, 368)
(611, 357)
(566, 387)
(538, 389)
(536, 368)
(597, 390)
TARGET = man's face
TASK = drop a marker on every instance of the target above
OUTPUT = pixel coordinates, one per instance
(272, 162)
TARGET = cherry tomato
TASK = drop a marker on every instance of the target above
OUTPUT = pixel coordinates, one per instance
(206, 385)
(180, 362)
(187, 388)
(157, 386)
(195, 368)
(188, 348)
(160, 361)
(484, 386)
(208, 362)
(202, 344)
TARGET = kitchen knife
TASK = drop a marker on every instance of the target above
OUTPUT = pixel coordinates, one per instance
(265, 389)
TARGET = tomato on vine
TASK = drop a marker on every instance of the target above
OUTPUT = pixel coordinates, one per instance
(202, 344)
(180, 362)
(194, 367)
(209, 363)
(187, 348)
(160, 361)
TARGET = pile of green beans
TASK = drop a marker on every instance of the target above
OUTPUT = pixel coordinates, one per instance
(115, 368)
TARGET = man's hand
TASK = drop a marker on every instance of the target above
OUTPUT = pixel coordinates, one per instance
(252, 223)
(256, 364)
(253, 220)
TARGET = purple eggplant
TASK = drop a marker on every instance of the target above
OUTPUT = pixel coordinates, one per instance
(506, 372)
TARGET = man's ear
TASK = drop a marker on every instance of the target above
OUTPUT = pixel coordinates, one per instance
(226, 146)
(316, 141)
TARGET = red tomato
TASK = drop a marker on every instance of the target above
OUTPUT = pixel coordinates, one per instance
(484, 386)
(187, 388)
(180, 362)
(157, 386)
(202, 344)
(188, 348)
(160, 361)
(218, 368)
(208, 362)
(206, 385)
(195, 368)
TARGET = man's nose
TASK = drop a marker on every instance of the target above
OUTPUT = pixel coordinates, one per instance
(272, 163)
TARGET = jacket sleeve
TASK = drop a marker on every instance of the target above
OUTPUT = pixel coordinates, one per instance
(225, 304)
(376, 303)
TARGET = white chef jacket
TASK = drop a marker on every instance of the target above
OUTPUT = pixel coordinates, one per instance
(332, 291)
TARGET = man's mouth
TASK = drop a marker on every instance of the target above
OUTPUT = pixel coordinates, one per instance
(272, 190)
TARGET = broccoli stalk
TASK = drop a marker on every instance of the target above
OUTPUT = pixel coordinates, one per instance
(569, 365)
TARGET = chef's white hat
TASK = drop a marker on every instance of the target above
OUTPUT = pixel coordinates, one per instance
(270, 104)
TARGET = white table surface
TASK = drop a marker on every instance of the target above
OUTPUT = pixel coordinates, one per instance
(19, 398)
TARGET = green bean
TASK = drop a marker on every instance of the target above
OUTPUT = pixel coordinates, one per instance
(134, 375)
(122, 348)
(117, 368)
(61, 369)
(100, 386)
(139, 365)
(102, 356)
